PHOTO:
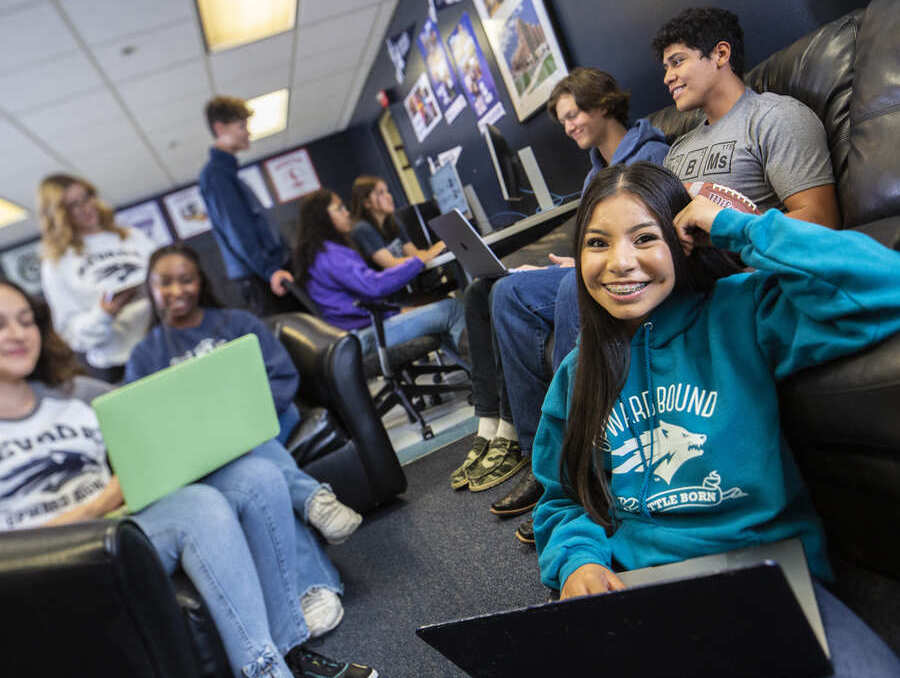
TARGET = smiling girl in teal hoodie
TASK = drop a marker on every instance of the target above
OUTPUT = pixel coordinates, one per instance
(660, 437)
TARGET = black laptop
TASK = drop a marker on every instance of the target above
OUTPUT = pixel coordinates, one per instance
(744, 622)
(470, 249)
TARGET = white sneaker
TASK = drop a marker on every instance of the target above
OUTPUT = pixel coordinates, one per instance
(335, 521)
(322, 610)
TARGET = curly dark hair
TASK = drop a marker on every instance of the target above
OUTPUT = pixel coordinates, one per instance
(703, 28)
(57, 364)
(592, 89)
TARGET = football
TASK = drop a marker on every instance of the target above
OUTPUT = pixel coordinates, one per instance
(722, 196)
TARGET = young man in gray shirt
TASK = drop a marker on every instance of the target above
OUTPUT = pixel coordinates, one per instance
(770, 147)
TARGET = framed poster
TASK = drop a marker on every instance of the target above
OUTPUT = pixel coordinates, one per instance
(443, 80)
(187, 212)
(474, 74)
(292, 175)
(22, 265)
(422, 108)
(527, 53)
(146, 217)
(252, 176)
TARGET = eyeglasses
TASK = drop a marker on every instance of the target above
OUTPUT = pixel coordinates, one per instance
(340, 208)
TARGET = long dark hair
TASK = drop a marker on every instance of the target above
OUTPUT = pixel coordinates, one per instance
(316, 228)
(362, 189)
(605, 352)
(207, 299)
(57, 364)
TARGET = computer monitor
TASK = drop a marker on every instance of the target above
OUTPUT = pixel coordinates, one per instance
(448, 189)
(507, 165)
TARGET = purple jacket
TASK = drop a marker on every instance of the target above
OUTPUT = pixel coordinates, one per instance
(339, 276)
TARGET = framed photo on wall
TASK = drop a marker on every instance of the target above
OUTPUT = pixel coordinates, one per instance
(148, 218)
(292, 175)
(527, 52)
(187, 212)
(22, 265)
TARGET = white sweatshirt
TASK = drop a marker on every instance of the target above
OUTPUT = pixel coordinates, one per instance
(53, 459)
(75, 283)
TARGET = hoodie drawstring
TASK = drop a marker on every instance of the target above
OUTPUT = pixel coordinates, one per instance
(648, 471)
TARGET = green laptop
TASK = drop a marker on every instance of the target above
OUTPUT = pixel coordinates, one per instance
(168, 429)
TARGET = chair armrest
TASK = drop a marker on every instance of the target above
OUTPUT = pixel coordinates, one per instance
(331, 375)
(88, 599)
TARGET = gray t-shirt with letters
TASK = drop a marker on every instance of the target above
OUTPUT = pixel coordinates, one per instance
(768, 147)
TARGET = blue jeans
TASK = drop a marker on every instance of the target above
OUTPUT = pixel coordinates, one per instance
(232, 536)
(444, 317)
(856, 652)
(523, 312)
(314, 569)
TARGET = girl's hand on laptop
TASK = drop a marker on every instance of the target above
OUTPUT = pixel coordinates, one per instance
(588, 579)
(112, 304)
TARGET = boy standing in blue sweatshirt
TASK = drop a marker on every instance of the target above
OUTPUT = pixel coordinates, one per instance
(254, 253)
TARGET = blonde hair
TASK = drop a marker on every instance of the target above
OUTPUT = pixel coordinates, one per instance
(58, 233)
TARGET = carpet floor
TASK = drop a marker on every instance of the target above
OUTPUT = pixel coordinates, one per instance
(433, 555)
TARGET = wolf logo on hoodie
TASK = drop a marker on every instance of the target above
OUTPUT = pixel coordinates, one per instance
(673, 445)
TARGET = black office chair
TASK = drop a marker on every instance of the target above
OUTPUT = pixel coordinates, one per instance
(401, 365)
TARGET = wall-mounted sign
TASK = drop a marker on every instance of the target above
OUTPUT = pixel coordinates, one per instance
(292, 175)
(146, 217)
(22, 265)
(422, 108)
(472, 67)
(187, 212)
(443, 80)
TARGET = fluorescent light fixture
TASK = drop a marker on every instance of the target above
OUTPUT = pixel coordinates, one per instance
(10, 213)
(229, 23)
(270, 113)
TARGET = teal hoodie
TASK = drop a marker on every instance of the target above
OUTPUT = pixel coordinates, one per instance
(703, 377)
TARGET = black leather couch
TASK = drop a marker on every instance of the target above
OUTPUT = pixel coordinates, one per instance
(842, 418)
(90, 599)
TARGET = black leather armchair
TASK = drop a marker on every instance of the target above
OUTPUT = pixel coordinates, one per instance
(363, 470)
(91, 599)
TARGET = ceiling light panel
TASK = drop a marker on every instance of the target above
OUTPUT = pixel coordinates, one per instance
(269, 114)
(10, 213)
(229, 23)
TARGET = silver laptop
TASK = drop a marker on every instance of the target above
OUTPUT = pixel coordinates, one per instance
(470, 249)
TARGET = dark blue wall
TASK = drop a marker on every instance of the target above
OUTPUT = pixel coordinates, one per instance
(614, 36)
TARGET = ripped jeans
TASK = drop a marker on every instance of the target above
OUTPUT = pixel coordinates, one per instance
(233, 535)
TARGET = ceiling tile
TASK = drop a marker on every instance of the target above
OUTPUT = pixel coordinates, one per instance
(253, 84)
(316, 10)
(18, 233)
(353, 28)
(48, 82)
(18, 46)
(123, 175)
(62, 118)
(336, 85)
(265, 147)
(185, 81)
(150, 51)
(100, 21)
(251, 59)
(315, 66)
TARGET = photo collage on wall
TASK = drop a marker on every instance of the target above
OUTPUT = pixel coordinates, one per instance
(527, 54)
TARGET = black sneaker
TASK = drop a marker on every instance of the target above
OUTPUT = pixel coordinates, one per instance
(525, 532)
(305, 663)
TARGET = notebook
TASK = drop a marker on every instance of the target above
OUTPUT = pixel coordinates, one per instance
(471, 251)
(175, 426)
(731, 619)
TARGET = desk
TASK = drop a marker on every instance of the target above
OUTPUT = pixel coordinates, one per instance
(519, 234)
